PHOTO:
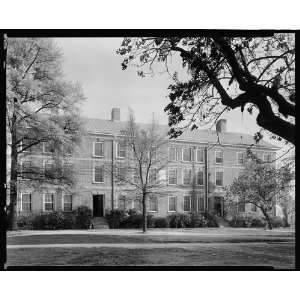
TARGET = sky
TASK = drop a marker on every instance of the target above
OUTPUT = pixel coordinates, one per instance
(93, 62)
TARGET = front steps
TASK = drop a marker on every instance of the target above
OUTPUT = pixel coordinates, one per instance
(99, 223)
(222, 223)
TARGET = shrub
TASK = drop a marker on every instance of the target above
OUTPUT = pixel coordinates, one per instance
(179, 220)
(83, 217)
(151, 221)
(160, 222)
(210, 220)
(277, 221)
(258, 222)
(115, 218)
(25, 221)
(196, 220)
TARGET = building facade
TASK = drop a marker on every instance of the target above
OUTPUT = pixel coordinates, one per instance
(200, 164)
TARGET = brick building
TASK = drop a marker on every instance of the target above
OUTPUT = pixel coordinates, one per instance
(194, 155)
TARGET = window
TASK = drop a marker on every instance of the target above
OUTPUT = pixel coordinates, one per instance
(241, 206)
(267, 157)
(48, 167)
(47, 147)
(122, 202)
(153, 153)
(67, 168)
(200, 201)
(98, 149)
(137, 204)
(219, 178)
(121, 149)
(48, 202)
(187, 176)
(200, 177)
(67, 149)
(172, 176)
(98, 174)
(187, 203)
(153, 175)
(187, 154)
(24, 144)
(25, 168)
(240, 158)
(200, 155)
(253, 207)
(25, 202)
(219, 156)
(136, 177)
(153, 203)
(172, 153)
(172, 203)
(121, 173)
(67, 202)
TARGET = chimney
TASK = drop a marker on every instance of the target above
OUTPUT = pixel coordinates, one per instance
(221, 125)
(115, 114)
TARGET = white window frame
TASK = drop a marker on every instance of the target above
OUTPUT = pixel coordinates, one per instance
(172, 147)
(63, 201)
(237, 158)
(219, 170)
(21, 207)
(197, 197)
(191, 150)
(172, 169)
(117, 150)
(169, 203)
(44, 152)
(190, 203)
(219, 150)
(44, 203)
(94, 173)
(156, 198)
(191, 177)
(197, 171)
(94, 154)
(202, 150)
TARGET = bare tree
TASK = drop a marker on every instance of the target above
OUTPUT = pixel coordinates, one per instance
(143, 172)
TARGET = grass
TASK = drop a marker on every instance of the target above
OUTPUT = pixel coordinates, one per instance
(277, 256)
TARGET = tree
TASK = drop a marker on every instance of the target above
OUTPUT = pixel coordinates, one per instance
(41, 108)
(142, 171)
(259, 184)
(224, 73)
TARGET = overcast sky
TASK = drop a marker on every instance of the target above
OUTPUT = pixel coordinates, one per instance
(94, 63)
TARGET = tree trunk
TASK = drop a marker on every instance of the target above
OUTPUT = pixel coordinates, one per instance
(269, 223)
(144, 214)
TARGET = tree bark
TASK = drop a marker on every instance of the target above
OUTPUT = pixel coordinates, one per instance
(144, 214)
(269, 223)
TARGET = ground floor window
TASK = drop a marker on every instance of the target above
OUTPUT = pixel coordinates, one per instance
(48, 202)
(122, 202)
(200, 201)
(67, 203)
(153, 203)
(253, 207)
(172, 203)
(26, 202)
(187, 203)
(241, 206)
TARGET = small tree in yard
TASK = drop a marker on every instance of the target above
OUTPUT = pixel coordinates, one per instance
(146, 159)
(41, 108)
(259, 184)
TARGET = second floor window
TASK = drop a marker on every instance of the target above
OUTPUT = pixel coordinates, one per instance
(172, 153)
(153, 176)
(98, 174)
(121, 149)
(98, 149)
(48, 167)
(219, 178)
(187, 154)
(26, 202)
(48, 202)
(153, 203)
(172, 176)
(25, 169)
(240, 158)
(219, 156)
(187, 176)
(199, 178)
(67, 203)
(200, 155)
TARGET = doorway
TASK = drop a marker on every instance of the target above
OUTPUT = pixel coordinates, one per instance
(219, 206)
(98, 206)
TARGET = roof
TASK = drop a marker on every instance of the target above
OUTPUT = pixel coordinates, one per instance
(198, 135)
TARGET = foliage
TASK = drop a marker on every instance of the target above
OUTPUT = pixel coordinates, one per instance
(223, 73)
(247, 220)
(210, 220)
(278, 222)
(160, 222)
(83, 217)
(115, 218)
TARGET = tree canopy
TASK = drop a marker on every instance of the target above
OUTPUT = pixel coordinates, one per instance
(223, 73)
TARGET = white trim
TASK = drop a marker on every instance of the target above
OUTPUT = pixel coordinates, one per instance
(153, 211)
(170, 169)
(190, 176)
(237, 158)
(201, 149)
(63, 202)
(117, 146)
(190, 203)
(220, 150)
(94, 155)
(169, 204)
(191, 149)
(21, 206)
(44, 196)
(97, 165)
(197, 197)
(169, 153)
(219, 170)
(202, 171)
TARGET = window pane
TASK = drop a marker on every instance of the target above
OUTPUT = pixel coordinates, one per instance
(172, 203)
(253, 207)
(219, 178)
(219, 156)
(187, 176)
(153, 175)
(67, 202)
(241, 206)
(200, 203)
(153, 203)
(173, 176)
(172, 153)
(200, 178)
(122, 202)
(25, 143)
(48, 201)
(187, 154)
(240, 158)
(200, 155)
(121, 149)
(98, 147)
(187, 203)
(26, 202)
(98, 174)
